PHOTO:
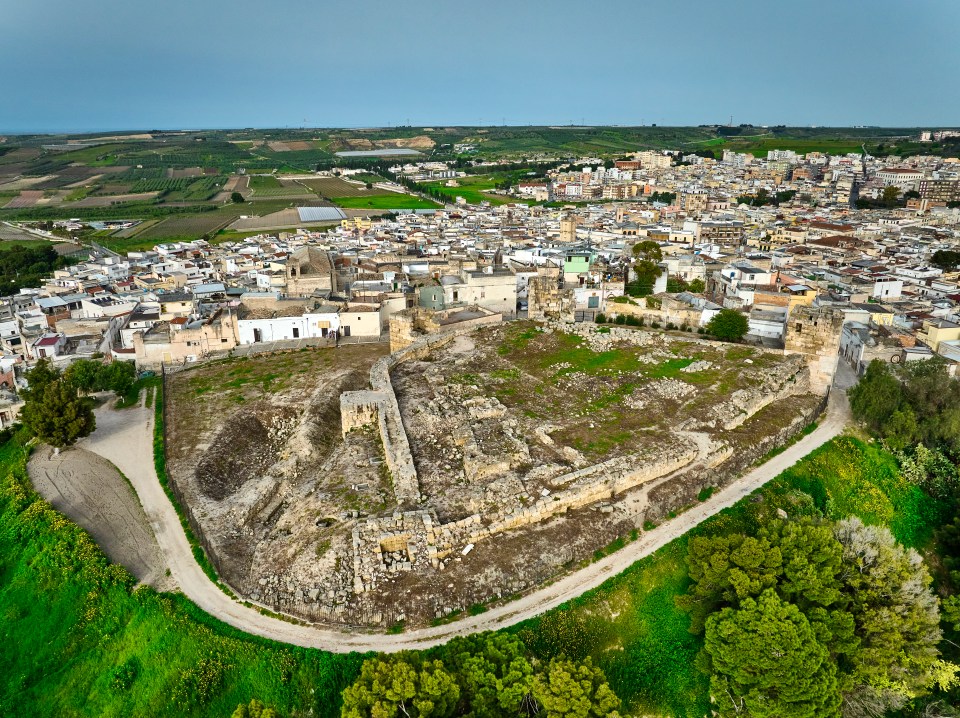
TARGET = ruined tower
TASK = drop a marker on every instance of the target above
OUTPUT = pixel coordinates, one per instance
(815, 332)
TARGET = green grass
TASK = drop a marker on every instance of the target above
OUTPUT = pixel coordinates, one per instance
(474, 190)
(8, 244)
(80, 640)
(392, 200)
(259, 182)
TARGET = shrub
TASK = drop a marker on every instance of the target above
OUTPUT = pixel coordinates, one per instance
(729, 325)
(671, 325)
(633, 321)
(621, 320)
(601, 318)
(655, 325)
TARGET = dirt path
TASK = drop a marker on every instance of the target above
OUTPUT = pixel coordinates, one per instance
(125, 438)
(89, 490)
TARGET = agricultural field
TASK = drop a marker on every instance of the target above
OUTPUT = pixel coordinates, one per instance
(392, 200)
(335, 188)
(268, 186)
(474, 189)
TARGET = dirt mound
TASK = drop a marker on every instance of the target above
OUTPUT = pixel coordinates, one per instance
(90, 490)
(242, 450)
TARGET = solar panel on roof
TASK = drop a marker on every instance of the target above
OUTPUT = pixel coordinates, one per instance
(320, 214)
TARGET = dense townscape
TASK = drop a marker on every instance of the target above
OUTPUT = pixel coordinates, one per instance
(873, 237)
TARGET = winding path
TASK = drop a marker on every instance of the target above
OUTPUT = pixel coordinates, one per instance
(126, 439)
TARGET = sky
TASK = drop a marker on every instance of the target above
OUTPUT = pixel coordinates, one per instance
(91, 65)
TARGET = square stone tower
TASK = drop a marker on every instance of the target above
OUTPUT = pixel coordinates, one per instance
(815, 333)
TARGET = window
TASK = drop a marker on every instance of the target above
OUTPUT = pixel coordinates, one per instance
(799, 327)
(296, 332)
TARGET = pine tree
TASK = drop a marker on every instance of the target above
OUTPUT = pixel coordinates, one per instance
(766, 662)
(57, 415)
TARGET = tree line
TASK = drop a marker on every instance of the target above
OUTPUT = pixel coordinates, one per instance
(488, 675)
(57, 407)
(22, 267)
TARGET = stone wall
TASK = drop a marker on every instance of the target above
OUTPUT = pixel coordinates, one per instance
(683, 490)
(676, 468)
(545, 300)
(662, 315)
(416, 323)
(815, 334)
(380, 407)
(359, 409)
(409, 325)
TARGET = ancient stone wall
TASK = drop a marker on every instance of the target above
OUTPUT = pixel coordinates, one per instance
(545, 300)
(815, 334)
(380, 407)
(359, 409)
(407, 540)
(683, 489)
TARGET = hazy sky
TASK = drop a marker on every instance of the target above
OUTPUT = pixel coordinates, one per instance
(132, 64)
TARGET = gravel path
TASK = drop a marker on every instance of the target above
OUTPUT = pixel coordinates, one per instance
(125, 438)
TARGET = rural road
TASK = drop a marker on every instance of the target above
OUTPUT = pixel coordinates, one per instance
(126, 438)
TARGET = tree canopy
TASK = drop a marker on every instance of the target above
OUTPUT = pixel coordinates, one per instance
(483, 676)
(87, 375)
(946, 259)
(22, 267)
(844, 604)
(766, 662)
(917, 403)
(647, 256)
(728, 325)
(52, 410)
(254, 709)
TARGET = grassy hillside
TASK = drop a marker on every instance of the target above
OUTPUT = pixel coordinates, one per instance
(79, 639)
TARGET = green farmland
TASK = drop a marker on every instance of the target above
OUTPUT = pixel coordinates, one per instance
(392, 200)
(474, 189)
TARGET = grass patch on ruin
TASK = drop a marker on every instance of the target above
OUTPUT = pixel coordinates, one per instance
(80, 639)
(630, 625)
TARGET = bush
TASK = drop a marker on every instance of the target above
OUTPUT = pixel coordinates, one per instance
(655, 325)
(671, 325)
(641, 322)
(621, 320)
(700, 330)
(601, 318)
(728, 325)
(633, 321)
